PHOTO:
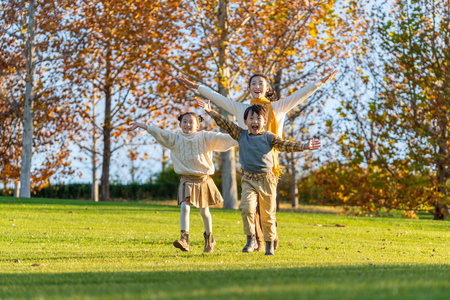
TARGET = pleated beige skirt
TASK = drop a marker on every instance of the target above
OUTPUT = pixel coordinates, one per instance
(199, 191)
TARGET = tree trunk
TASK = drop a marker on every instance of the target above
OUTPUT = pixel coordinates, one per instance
(16, 189)
(229, 186)
(94, 190)
(441, 209)
(27, 138)
(107, 129)
(277, 83)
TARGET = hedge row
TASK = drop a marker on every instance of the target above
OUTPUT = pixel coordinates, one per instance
(165, 186)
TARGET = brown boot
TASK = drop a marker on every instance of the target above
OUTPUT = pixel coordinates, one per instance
(183, 242)
(210, 242)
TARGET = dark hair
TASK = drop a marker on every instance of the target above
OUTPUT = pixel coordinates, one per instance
(270, 94)
(199, 118)
(260, 110)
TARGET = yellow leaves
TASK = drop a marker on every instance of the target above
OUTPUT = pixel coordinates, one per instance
(312, 29)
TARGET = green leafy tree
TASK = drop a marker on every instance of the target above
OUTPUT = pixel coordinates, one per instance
(394, 146)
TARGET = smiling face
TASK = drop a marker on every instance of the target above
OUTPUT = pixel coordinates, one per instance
(189, 123)
(255, 123)
(258, 87)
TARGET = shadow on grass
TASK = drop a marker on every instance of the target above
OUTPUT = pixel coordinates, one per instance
(346, 282)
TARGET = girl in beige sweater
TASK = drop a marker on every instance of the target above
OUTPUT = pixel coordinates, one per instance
(191, 154)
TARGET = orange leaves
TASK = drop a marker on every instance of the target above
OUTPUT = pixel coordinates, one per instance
(366, 189)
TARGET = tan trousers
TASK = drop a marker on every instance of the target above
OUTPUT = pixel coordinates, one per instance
(263, 190)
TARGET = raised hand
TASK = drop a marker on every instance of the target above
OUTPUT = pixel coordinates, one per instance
(135, 125)
(329, 77)
(206, 106)
(189, 84)
(313, 145)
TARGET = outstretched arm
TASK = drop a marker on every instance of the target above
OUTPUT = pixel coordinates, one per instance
(164, 137)
(283, 145)
(189, 84)
(233, 107)
(232, 129)
(135, 125)
(329, 77)
(288, 103)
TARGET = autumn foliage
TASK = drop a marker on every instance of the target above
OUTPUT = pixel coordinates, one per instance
(100, 64)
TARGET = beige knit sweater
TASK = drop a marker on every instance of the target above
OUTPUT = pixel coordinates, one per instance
(191, 153)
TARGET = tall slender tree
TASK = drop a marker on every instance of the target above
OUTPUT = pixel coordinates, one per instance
(110, 62)
(33, 92)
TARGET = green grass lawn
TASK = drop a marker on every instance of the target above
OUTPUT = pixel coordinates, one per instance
(83, 250)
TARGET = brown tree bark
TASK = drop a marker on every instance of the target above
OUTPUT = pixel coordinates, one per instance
(229, 186)
(107, 129)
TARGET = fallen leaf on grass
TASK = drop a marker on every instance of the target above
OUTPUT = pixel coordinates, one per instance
(37, 265)
(71, 212)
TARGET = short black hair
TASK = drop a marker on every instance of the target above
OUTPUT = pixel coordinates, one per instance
(260, 110)
(199, 118)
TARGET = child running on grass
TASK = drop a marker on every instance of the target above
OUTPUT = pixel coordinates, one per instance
(191, 153)
(258, 180)
(261, 92)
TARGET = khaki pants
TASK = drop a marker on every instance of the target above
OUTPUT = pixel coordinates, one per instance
(264, 190)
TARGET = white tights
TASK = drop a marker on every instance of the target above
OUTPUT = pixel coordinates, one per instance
(184, 217)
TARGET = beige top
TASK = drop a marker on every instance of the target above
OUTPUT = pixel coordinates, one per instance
(191, 153)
